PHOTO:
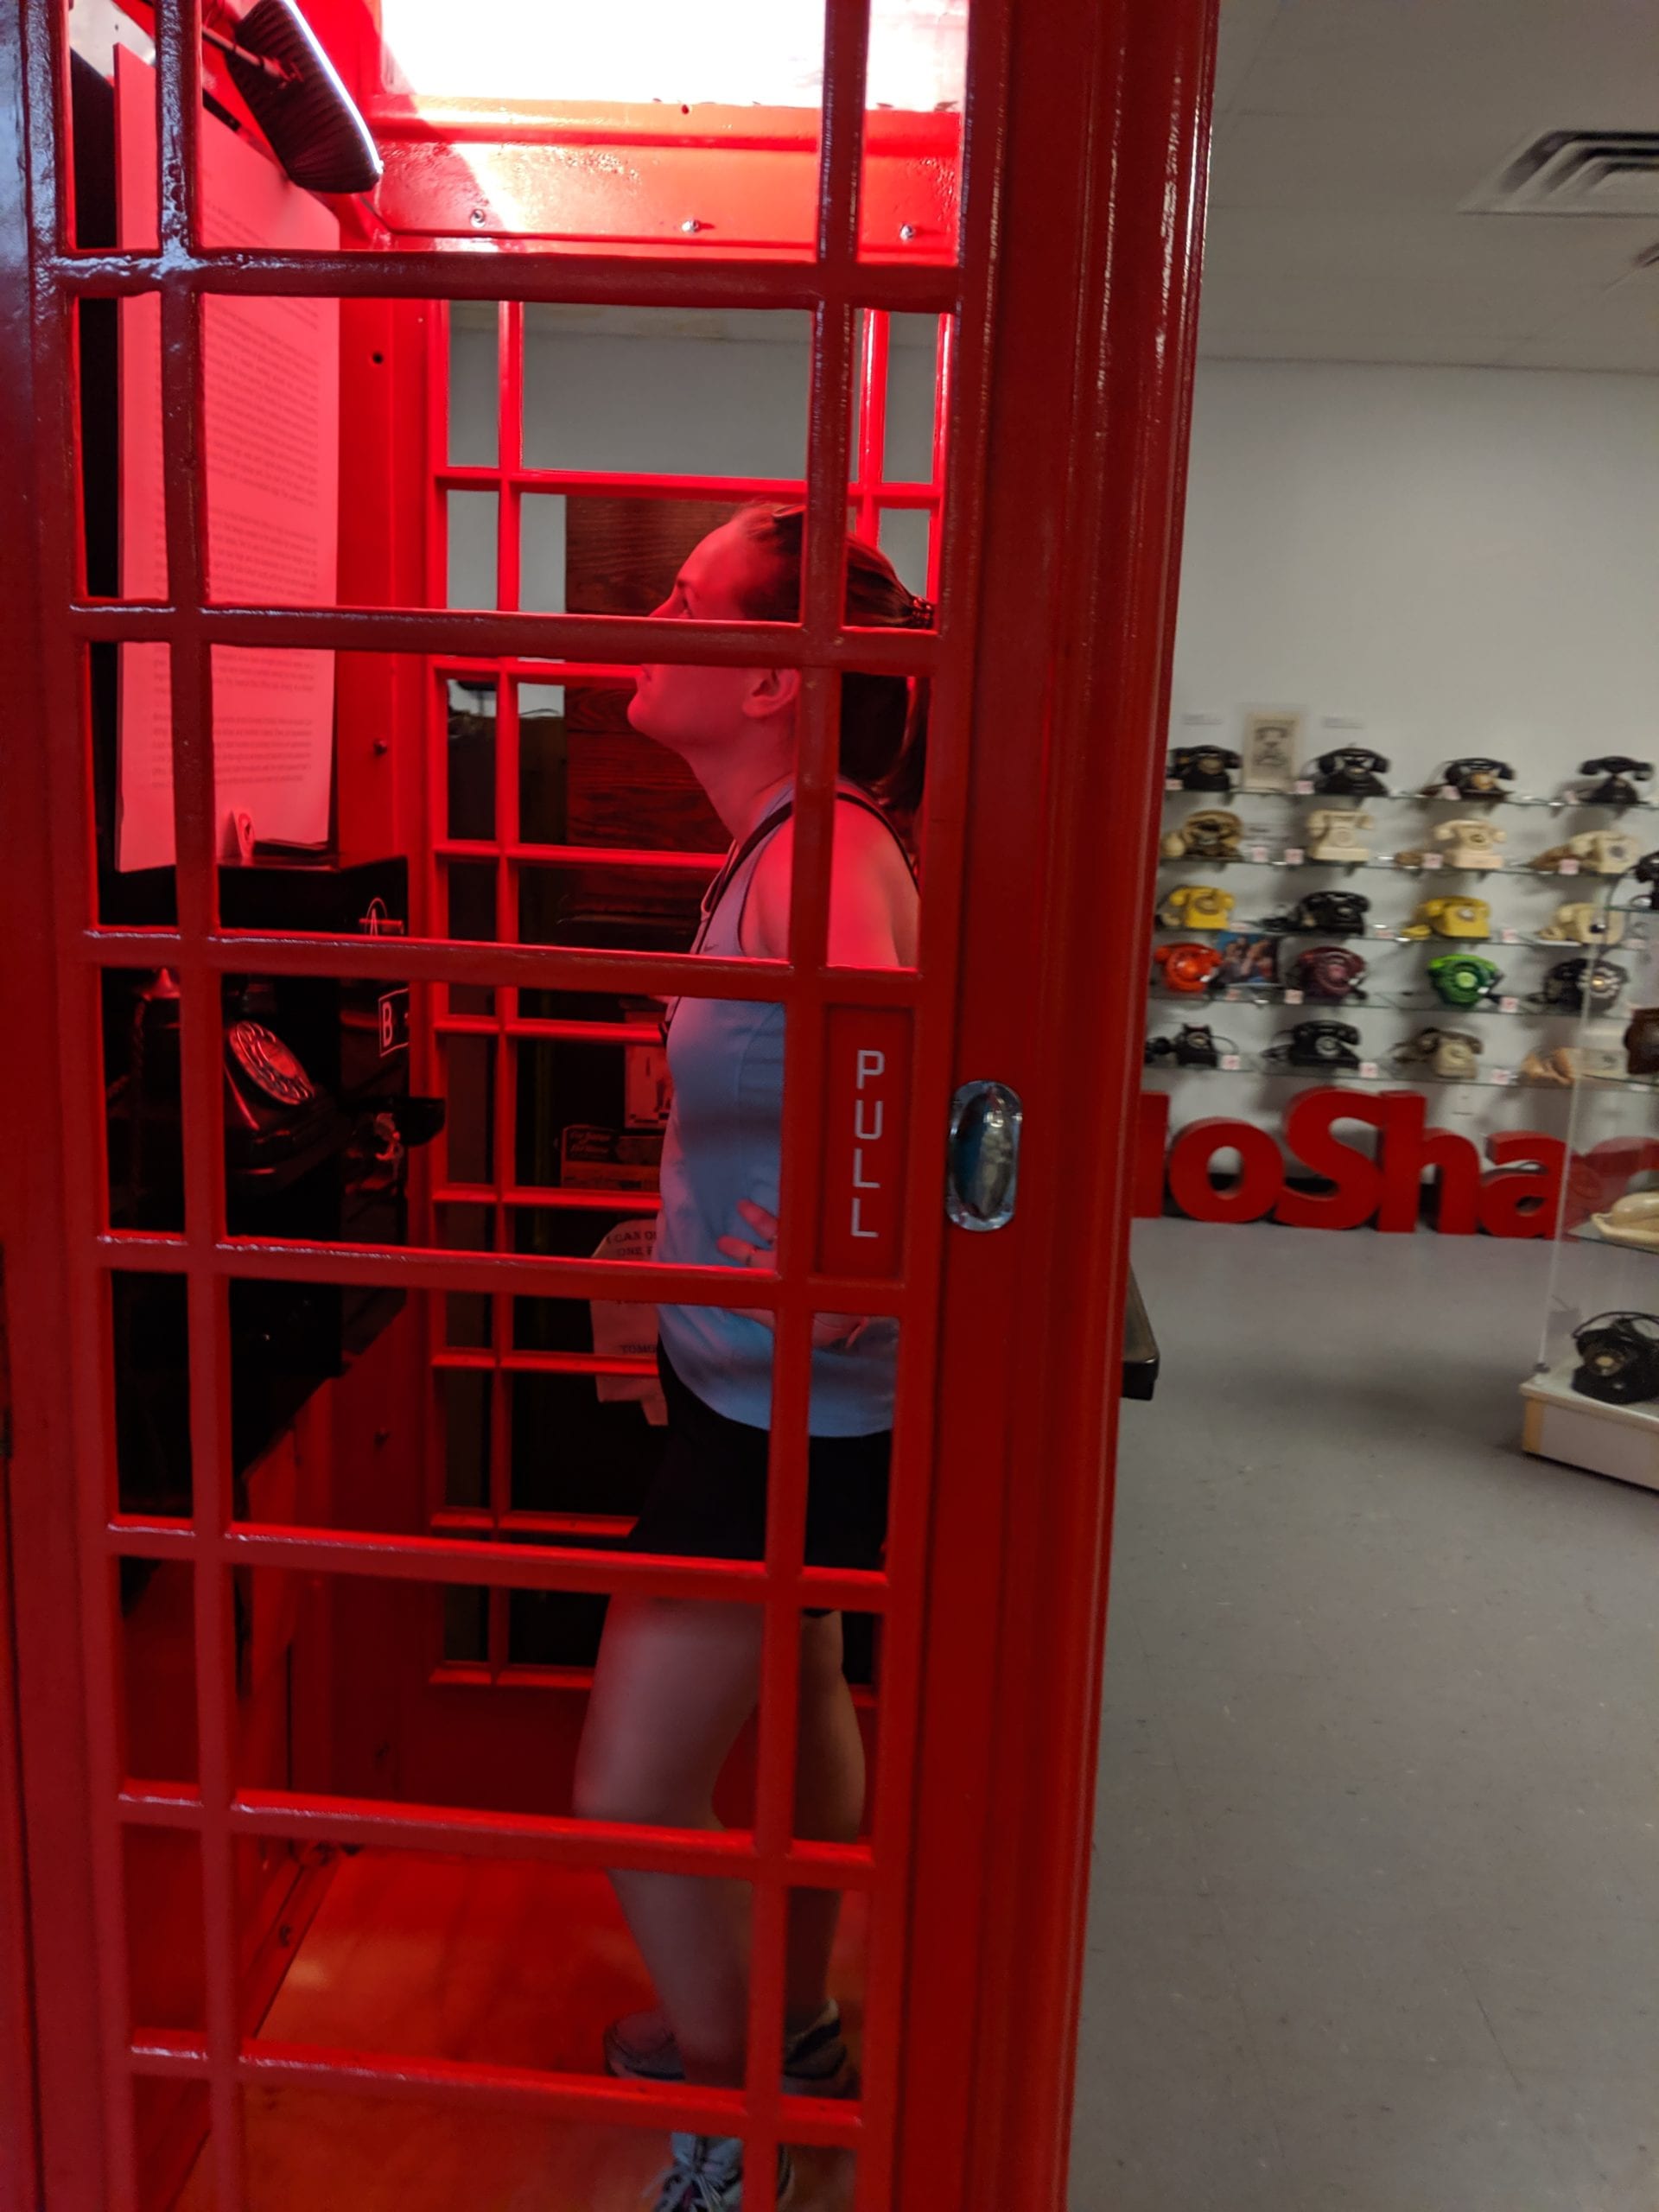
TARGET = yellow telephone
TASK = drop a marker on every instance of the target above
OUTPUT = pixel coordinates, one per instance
(1450, 918)
(1197, 907)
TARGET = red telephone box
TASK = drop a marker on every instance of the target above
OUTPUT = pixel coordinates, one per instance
(291, 1677)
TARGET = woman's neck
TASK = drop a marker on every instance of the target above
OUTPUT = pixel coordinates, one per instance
(740, 796)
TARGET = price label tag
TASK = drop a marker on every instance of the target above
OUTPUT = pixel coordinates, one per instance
(1293, 998)
(1509, 1005)
(1380, 929)
(1294, 856)
(1260, 853)
(1450, 791)
(1433, 860)
(1509, 936)
(1567, 866)
(1369, 1071)
(1302, 787)
(1172, 784)
(1232, 995)
(1501, 1076)
(1230, 1063)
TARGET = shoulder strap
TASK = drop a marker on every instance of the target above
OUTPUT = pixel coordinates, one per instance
(758, 835)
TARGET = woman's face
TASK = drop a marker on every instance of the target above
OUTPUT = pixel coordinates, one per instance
(694, 709)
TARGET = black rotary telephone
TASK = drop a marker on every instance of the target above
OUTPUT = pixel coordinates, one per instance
(1193, 1045)
(273, 1110)
(1329, 913)
(1474, 776)
(1620, 776)
(1204, 767)
(1571, 984)
(1318, 1045)
(1351, 772)
(1618, 1358)
(1646, 871)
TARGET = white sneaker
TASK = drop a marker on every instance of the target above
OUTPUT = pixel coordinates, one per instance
(707, 2175)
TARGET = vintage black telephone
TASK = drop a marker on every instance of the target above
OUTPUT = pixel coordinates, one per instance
(1473, 777)
(1326, 913)
(1571, 983)
(1351, 772)
(1646, 872)
(1193, 1045)
(1618, 1358)
(1620, 776)
(1318, 1045)
(1204, 767)
(274, 1113)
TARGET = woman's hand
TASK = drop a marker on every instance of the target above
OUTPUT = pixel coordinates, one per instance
(758, 1249)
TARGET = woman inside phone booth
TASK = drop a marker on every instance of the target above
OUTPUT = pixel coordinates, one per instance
(678, 1679)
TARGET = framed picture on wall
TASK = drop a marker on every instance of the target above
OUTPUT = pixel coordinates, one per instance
(1271, 750)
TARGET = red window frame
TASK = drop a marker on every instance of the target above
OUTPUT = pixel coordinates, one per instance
(834, 289)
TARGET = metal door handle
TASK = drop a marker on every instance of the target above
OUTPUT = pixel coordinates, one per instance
(982, 1156)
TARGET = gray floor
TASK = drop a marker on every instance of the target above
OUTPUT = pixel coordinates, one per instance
(1376, 1907)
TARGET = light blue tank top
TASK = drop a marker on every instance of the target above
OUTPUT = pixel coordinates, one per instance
(723, 1143)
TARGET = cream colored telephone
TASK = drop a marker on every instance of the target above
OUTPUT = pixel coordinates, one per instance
(1336, 833)
(1581, 921)
(1473, 844)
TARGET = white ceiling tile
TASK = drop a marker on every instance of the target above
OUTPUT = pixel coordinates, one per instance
(1532, 60)
(1356, 163)
(1244, 24)
(1620, 330)
(1351, 131)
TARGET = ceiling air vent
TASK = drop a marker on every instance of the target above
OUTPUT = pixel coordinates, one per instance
(1576, 173)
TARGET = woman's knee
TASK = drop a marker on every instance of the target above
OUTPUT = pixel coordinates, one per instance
(622, 1785)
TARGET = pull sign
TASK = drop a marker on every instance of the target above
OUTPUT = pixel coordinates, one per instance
(866, 1127)
(983, 1176)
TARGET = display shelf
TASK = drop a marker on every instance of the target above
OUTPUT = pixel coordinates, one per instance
(1561, 1423)
(1295, 859)
(1613, 1142)
(1377, 1074)
(1555, 803)
(1273, 995)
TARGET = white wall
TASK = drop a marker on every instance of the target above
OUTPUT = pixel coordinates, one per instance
(1462, 560)
(1466, 559)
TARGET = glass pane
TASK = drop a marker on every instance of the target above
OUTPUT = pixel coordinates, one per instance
(647, 391)
(470, 535)
(471, 757)
(158, 1668)
(541, 553)
(473, 381)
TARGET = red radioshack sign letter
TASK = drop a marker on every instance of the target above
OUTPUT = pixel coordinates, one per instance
(866, 1130)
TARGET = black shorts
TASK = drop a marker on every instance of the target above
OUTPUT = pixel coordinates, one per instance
(709, 1499)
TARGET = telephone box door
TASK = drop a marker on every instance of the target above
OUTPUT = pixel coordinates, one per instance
(188, 1821)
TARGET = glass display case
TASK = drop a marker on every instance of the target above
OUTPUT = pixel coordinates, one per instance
(1594, 1399)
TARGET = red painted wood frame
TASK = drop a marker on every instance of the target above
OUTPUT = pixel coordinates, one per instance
(1082, 202)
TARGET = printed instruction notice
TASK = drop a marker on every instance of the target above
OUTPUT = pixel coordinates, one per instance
(270, 375)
